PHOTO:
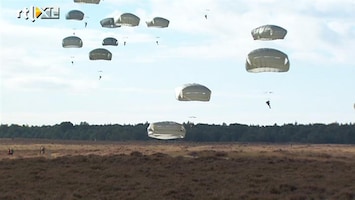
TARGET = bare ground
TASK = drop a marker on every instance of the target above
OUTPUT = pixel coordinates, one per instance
(175, 170)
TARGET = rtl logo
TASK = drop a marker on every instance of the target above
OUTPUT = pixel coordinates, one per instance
(35, 12)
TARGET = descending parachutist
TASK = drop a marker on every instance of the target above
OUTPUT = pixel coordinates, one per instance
(72, 62)
(100, 77)
(268, 103)
(157, 42)
(207, 10)
(124, 43)
(86, 24)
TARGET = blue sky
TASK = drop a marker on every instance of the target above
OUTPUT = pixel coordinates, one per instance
(40, 86)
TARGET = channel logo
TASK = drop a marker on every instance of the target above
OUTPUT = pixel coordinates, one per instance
(35, 13)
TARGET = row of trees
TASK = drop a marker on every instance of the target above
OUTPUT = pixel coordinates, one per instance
(311, 133)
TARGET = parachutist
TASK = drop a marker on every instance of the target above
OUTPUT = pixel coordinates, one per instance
(100, 77)
(268, 103)
(157, 42)
(206, 16)
(124, 43)
(72, 62)
(86, 24)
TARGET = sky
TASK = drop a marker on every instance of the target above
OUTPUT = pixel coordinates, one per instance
(40, 86)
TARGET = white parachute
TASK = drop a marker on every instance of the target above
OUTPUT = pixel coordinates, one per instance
(110, 41)
(87, 1)
(158, 22)
(75, 15)
(267, 60)
(72, 42)
(268, 32)
(109, 23)
(127, 19)
(166, 130)
(192, 92)
(100, 54)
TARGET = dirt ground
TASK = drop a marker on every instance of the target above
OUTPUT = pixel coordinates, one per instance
(175, 170)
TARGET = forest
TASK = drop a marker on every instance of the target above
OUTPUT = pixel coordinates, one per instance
(318, 133)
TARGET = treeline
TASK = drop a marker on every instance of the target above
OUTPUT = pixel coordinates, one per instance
(295, 133)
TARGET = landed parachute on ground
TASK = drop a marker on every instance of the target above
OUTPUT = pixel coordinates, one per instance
(268, 32)
(75, 15)
(100, 54)
(87, 1)
(158, 22)
(166, 130)
(127, 19)
(193, 92)
(72, 42)
(110, 41)
(109, 23)
(267, 60)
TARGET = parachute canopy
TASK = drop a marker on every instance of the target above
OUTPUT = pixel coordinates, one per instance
(166, 130)
(110, 41)
(72, 42)
(75, 15)
(128, 19)
(268, 32)
(267, 60)
(109, 23)
(192, 92)
(100, 54)
(158, 22)
(87, 1)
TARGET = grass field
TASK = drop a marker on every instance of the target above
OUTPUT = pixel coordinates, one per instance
(175, 170)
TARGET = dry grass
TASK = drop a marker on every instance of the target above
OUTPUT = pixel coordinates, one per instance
(175, 170)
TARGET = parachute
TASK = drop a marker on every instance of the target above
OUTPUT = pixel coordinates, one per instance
(100, 54)
(110, 41)
(166, 130)
(72, 42)
(128, 19)
(109, 23)
(193, 92)
(87, 1)
(268, 32)
(75, 15)
(267, 60)
(158, 22)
